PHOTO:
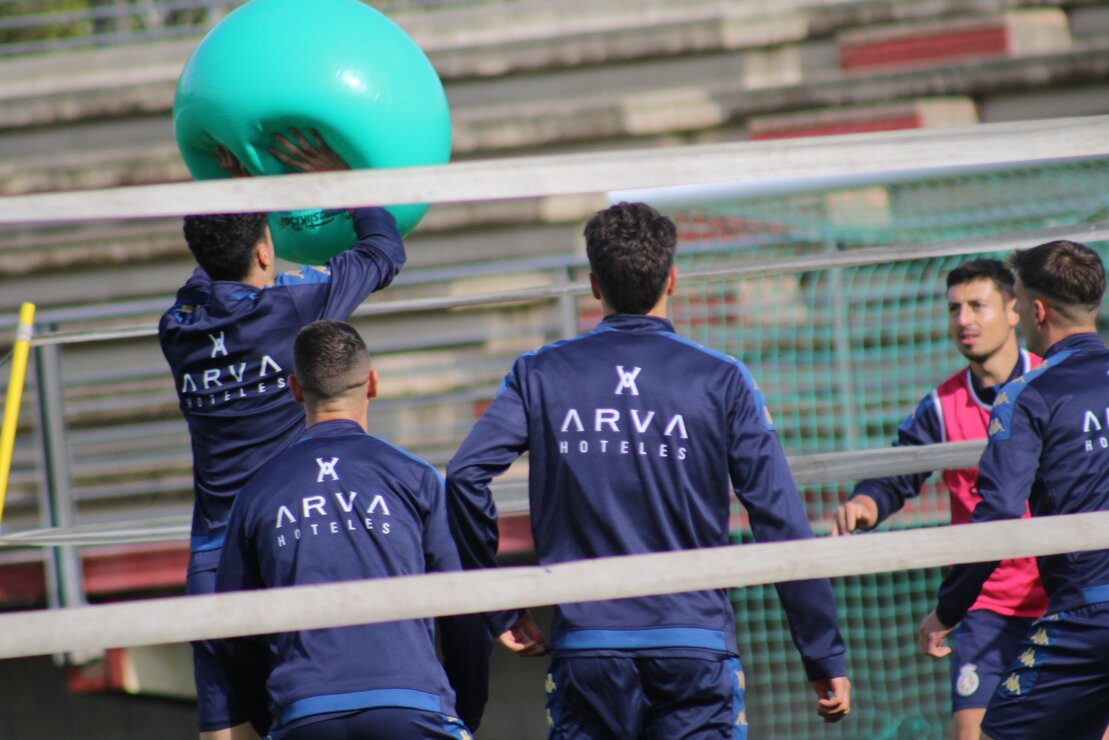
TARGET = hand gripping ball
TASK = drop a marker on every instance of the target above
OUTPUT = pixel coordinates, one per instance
(337, 66)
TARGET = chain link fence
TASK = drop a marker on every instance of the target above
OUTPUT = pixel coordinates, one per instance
(843, 356)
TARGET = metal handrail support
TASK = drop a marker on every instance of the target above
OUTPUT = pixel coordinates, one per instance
(64, 576)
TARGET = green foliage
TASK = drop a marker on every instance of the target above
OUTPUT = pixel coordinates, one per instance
(46, 21)
(43, 29)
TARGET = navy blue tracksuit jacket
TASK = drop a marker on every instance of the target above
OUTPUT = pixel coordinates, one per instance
(636, 439)
(1048, 447)
(338, 505)
(230, 348)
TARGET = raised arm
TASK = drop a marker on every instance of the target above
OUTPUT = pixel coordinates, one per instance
(369, 265)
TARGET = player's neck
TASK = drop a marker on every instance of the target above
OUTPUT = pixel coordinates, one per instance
(996, 368)
(659, 311)
(314, 416)
(1057, 333)
(257, 278)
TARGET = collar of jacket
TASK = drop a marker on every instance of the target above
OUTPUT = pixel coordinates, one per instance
(635, 322)
(1084, 341)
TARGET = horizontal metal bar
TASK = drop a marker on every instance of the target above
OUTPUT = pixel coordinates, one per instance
(1093, 232)
(1037, 142)
(182, 619)
(512, 497)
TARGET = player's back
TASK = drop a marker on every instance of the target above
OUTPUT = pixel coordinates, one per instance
(627, 443)
(629, 434)
(1067, 399)
(230, 348)
(341, 505)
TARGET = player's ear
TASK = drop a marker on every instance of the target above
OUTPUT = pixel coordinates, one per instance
(1040, 309)
(264, 251)
(295, 389)
(371, 389)
(672, 281)
(596, 286)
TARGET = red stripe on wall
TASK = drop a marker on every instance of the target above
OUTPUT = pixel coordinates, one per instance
(833, 129)
(911, 51)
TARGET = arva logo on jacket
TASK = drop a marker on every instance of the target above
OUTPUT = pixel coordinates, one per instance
(632, 429)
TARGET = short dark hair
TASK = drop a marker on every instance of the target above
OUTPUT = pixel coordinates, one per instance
(222, 243)
(330, 359)
(631, 250)
(1066, 274)
(984, 269)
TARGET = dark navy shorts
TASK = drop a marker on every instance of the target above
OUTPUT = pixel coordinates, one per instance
(656, 698)
(216, 706)
(1058, 684)
(982, 648)
(382, 723)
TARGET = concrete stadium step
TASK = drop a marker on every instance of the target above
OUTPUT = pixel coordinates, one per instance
(700, 97)
(482, 40)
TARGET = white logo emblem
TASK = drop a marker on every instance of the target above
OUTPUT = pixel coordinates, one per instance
(627, 380)
(967, 683)
(218, 347)
(327, 468)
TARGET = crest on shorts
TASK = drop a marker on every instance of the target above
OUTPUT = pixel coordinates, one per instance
(967, 682)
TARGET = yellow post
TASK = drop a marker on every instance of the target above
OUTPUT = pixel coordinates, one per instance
(15, 394)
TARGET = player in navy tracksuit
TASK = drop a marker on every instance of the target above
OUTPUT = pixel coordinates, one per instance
(1049, 447)
(340, 505)
(229, 342)
(982, 323)
(636, 437)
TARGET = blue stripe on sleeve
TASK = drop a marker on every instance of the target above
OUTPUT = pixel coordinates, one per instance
(307, 275)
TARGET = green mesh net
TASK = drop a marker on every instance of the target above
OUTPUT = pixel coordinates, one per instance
(843, 355)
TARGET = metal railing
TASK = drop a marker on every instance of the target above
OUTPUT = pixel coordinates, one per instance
(93, 23)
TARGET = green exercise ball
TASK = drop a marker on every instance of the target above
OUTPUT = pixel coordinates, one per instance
(336, 66)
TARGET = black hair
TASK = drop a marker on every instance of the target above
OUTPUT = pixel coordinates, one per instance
(984, 269)
(330, 359)
(631, 250)
(223, 243)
